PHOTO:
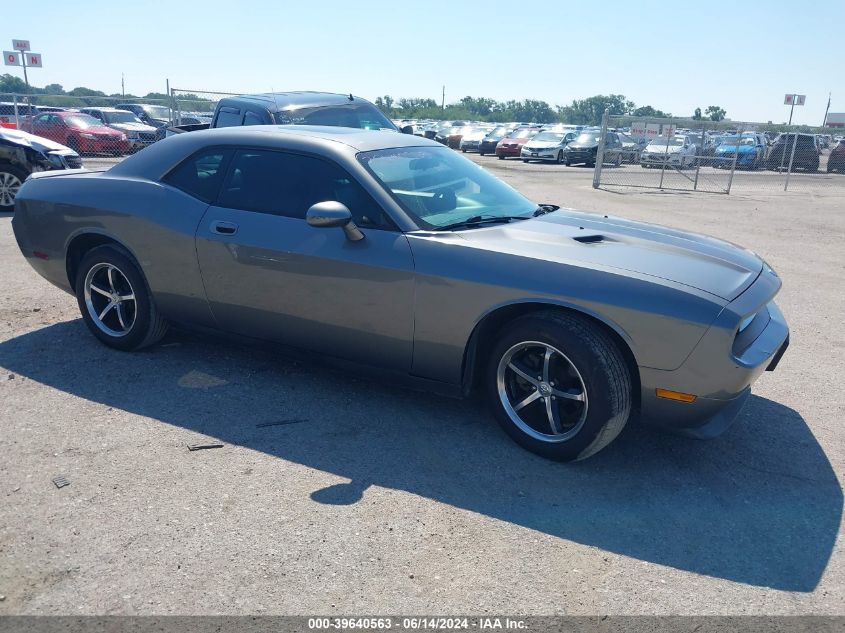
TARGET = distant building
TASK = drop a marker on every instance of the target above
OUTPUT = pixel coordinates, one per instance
(835, 119)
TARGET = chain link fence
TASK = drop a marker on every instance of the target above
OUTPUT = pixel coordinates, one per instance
(717, 157)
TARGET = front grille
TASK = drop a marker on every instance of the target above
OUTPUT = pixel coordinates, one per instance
(105, 137)
(147, 137)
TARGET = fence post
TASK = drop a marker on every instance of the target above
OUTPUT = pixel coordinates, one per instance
(600, 151)
(666, 152)
(736, 156)
(698, 160)
(17, 119)
(791, 158)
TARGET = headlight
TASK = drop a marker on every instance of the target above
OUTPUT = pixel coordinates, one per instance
(88, 136)
(122, 137)
(55, 160)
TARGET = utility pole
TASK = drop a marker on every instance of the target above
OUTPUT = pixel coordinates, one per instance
(442, 102)
(122, 86)
(826, 110)
(25, 78)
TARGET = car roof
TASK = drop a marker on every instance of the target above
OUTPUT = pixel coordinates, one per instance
(276, 101)
(103, 109)
(162, 156)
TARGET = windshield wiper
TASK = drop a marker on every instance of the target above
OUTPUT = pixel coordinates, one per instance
(542, 209)
(477, 220)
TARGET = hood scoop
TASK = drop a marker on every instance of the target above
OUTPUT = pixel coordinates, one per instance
(591, 239)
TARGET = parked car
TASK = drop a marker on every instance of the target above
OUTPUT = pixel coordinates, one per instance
(584, 149)
(391, 251)
(546, 146)
(805, 157)
(158, 116)
(749, 149)
(81, 132)
(511, 145)
(11, 113)
(471, 141)
(139, 134)
(454, 139)
(491, 140)
(836, 159)
(22, 154)
(676, 151)
(631, 148)
(296, 108)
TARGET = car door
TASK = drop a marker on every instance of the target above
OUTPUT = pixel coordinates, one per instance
(48, 126)
(270, 275)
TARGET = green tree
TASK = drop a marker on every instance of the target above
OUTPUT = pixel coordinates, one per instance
(589, 111)
(54, 89)
(715, 113)
(697, 115)
(10, 83)
(648, 111)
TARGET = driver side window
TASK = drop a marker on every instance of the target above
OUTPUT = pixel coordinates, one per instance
(287, 184)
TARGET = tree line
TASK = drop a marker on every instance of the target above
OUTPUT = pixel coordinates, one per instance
(587, 111)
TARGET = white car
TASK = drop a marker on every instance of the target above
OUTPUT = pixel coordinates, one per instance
(547, 145)
(139, 133)
(676, 151)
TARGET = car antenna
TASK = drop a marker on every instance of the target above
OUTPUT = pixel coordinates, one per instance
(351, 98)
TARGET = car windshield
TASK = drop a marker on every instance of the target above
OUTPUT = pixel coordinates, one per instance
(438, 187)
(522, 133)
(745, 140)
(157, 112)
(549, 136)
(82, 121)
(358, 115)
(586, 138)
(120, 117)
(673, 141)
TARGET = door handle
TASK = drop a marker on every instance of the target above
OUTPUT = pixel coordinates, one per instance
(224, 228)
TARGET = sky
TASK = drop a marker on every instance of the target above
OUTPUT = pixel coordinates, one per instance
(741, 55)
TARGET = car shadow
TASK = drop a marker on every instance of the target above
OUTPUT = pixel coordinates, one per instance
(760, 505)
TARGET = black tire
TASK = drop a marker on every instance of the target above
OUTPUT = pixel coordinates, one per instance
(525, 160)
(148, 327)
(602, 371)
(463, 150)
(560, 157)
(500, 157)
(8, 175)
(481, 153)
(567, 162)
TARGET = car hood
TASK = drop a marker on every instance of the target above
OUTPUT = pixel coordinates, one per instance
(542, 144)
(132, 127)
(618, 245)
(661, 149)
(743, 149)
(518, 141)
(575, 145)
(39, 143)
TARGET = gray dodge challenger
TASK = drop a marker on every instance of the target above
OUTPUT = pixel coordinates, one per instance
(394, 252)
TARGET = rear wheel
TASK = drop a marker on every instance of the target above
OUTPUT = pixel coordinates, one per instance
(115, 302)
(11, 179)
(559, 386)
(500, 157)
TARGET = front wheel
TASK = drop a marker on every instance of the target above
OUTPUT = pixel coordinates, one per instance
(559, 157)
(500, 157)
(559, 385)
(115, 302)
(11, 179)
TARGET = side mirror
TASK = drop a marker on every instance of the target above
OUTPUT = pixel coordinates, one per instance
(407, 129)
(330, 214)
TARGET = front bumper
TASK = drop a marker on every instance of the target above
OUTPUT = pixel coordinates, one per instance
(539, 154)
(580, 156)
(660, 159)
(508, 150)
(719, 376)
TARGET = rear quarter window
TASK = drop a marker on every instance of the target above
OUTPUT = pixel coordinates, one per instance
(228, 117)
(201, 175)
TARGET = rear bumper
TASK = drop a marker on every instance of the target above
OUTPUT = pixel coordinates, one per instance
(720, 379)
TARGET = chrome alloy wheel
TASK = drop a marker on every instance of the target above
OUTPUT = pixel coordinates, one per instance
(542, 391)
(110, 299)
(9, 186)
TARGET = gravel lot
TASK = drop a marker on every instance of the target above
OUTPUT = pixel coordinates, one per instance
(381, 500)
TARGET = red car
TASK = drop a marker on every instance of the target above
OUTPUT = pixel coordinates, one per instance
(512, 144)
(80, 132)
